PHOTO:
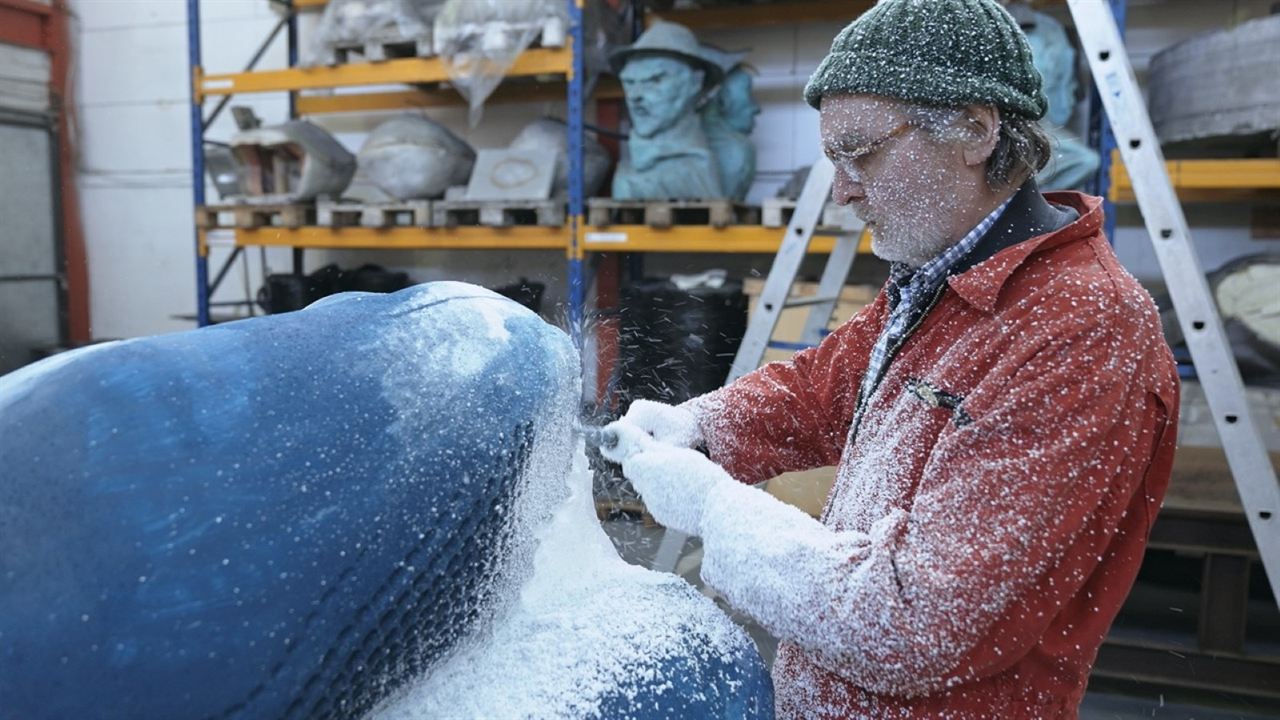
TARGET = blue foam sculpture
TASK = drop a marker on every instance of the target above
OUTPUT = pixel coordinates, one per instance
(283, 517)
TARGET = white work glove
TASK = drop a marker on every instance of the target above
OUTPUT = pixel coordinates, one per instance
(672, 481)
(666, 423)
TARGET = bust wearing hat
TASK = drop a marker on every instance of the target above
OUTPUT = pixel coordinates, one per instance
(728, 119)
(1002, 417)
(664, 78)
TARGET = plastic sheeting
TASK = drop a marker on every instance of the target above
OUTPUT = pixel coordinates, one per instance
(348, 23)
(480, 40)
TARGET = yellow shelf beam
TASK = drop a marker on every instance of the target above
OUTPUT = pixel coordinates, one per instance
(538, 61)
(409, 238)
(617, 238)
(1207, 180)
(511, 92)
(697, 239)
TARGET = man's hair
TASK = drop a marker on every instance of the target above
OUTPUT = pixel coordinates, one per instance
(1022, 148)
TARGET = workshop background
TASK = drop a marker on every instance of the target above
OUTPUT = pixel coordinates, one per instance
(104, 235)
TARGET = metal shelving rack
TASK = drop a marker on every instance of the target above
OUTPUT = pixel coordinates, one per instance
(540, 62)
(1199, 180)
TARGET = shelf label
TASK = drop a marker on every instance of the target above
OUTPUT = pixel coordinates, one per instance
(605, 237)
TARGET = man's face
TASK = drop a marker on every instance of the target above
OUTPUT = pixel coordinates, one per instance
(899, 179)
(659, 91)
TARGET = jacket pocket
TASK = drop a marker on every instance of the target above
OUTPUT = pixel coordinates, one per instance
(937, 397)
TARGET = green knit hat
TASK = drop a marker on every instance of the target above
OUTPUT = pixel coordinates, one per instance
(934, 52)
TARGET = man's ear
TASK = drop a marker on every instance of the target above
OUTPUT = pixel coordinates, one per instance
(983, 125)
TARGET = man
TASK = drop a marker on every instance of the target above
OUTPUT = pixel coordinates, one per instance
(664, 77)
(1002, 416)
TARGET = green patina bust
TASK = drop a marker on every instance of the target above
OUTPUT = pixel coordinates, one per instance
(668, 155)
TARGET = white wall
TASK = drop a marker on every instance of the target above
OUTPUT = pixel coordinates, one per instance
(132, 87)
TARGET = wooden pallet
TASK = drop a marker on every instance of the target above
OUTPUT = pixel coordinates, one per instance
(603, 212)
(386, 47)
(497, 213)
(405, 213)
(777, 212)
(390, 44)
(210, 217)
(550, 32)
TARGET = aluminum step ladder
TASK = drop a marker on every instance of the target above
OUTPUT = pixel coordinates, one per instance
(776, 297)
(1197, 314)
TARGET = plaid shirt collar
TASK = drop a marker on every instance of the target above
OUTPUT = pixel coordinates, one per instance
(905, 280)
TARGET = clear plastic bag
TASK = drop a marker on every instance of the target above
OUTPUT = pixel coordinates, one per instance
(479, 40)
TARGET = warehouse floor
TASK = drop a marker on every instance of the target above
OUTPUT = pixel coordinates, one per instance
(1106, 699)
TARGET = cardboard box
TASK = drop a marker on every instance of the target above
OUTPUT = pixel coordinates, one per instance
(791, 323)
(806, 490)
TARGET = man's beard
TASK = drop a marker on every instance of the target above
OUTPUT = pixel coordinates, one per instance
(913, 234)
(900, 244)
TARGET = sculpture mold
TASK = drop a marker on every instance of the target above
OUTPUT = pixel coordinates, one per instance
(549, 133)
(299, 516)
(292, 162)
(1220, 90)
(413, 157)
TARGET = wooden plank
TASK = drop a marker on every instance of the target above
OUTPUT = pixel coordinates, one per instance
(1175, 664)
(492, 213)
(1224, 603)
(666, 213)
(247, 215)
(403, 213)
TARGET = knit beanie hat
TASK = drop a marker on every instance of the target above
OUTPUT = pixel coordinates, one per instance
(934, 52)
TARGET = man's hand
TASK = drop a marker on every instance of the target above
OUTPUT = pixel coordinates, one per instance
(672, 481)
(666, 423)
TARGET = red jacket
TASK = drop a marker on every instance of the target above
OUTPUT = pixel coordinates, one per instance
(991, 512)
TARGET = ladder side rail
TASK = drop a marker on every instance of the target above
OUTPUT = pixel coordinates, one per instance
(834, 276)
(791, 252)
(1167, 227)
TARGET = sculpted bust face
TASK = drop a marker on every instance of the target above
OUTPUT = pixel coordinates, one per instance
(659, 91)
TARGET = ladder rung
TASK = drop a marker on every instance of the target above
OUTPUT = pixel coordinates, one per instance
(805, 301)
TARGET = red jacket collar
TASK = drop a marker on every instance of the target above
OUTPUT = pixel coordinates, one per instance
(980, 285)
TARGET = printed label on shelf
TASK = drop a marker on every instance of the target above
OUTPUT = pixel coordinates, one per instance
(606, 237)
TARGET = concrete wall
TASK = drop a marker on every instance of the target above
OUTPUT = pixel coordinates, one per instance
(132, 89)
